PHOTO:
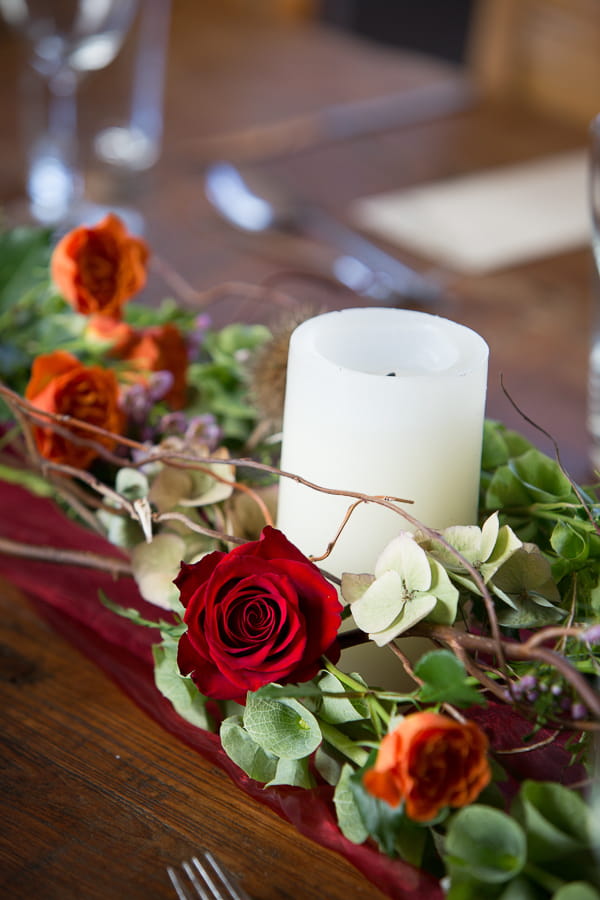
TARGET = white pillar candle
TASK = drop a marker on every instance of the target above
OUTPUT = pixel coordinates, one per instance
(385, 402)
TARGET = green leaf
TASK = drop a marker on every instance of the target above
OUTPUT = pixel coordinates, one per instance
(294, 772)
(445, 680)
(506, 490)
(345, 709)
(382, 821)
(29, 480)
(569, 542)
(577, 890)
(239, 746)
(169, 629)
(327, 764)
(181, 691)
(282, 727)
(347, 811)
(485, 844)
(555, 818)
(542, 476)
(521, 888)
(530, 614)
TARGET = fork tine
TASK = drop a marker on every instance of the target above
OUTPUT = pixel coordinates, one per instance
(209, 880)
(180, 890)
(235, 892)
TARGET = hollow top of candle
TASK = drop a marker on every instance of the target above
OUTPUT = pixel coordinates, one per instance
(386, 342)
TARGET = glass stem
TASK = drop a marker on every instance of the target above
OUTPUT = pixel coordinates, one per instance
(55, 182)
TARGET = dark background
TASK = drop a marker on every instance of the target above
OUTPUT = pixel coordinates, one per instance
(437, 27)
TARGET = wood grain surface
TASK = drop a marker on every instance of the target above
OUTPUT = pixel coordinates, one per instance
(96, 799)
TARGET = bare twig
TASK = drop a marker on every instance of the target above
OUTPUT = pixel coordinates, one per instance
(58, 555)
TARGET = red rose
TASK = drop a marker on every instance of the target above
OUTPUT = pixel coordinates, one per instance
(260, 613)
(430, 762)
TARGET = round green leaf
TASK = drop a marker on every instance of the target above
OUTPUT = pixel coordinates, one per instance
(245, 752)
(486, 844)
(577, 890)
(282, 727)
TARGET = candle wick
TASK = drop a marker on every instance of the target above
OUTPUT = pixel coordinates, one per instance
(391, 374)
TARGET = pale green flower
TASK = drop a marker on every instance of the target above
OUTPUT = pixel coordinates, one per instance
(408, 586)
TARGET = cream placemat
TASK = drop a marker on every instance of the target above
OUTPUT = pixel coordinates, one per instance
(488, 220)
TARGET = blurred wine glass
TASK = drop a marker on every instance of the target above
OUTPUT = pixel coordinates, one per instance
(67, 38)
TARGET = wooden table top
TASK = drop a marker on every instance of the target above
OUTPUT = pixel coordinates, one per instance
(97, 798)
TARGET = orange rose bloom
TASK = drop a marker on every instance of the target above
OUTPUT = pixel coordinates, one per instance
(161, 348)
(118, 334)
(60, 384)
(98, 269)
(430, 762)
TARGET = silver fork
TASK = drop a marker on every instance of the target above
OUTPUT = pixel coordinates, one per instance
(205, 878)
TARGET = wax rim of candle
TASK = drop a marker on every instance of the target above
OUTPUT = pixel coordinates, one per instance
(376, 342)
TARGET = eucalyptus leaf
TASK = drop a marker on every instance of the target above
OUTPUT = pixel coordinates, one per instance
(282, 727)
(555, 818)
(577, 890)
(348, 814)
(343, 709)
(327, 764)
(520, 888)
(181, 691)
(239, 746)
(382, 821)
(485, 844)
(294, 772)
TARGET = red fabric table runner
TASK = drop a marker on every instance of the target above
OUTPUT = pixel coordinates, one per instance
(68, 598)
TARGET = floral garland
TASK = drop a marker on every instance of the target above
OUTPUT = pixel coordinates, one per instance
(158, 431)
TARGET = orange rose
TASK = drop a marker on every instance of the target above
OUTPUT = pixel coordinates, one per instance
(98, 269)
(430, 762)
(119, 335)
(60, 384)
(161, 348)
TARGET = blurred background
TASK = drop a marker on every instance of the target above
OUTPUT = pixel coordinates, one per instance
(341, 100)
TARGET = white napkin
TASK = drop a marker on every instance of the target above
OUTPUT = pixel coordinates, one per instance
(489, 220)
